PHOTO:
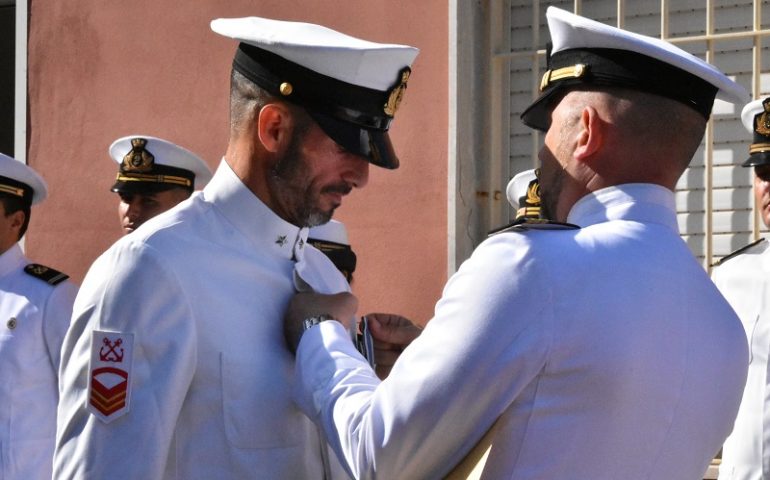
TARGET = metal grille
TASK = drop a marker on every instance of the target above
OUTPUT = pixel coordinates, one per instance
(714, 198)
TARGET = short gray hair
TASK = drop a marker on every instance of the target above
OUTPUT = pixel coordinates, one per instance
(246, 100)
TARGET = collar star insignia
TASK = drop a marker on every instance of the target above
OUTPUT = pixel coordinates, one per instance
(281, 240)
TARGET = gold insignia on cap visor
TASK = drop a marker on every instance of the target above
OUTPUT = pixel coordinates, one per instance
(397, 93)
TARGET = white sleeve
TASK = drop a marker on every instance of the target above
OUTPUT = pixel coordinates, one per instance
(56, 319)
(487, 342)
(127, 290)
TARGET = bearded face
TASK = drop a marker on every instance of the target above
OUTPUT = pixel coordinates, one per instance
(308, 182)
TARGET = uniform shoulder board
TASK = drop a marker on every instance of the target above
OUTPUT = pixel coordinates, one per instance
(737, 252)
(46, 274)
(524, 224)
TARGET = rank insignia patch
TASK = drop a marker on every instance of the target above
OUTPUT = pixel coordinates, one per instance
(109, 379)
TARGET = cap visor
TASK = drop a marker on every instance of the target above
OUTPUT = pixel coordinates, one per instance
(538, 114)
(756, 159)
(372, 144)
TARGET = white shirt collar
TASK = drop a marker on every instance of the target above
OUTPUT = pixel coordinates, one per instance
(249, 215)
(11, 260)
(643, 202)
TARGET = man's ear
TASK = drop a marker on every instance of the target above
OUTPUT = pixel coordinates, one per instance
(590, 134)
(17, 219)
(274, 127)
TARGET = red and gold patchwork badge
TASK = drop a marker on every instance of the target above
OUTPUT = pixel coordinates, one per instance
(109, 380)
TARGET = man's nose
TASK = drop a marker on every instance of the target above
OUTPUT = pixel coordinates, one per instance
(357, 173)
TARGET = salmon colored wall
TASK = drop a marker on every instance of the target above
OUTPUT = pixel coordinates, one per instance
(100, 70)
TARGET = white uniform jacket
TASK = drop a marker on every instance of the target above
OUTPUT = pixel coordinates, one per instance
(607, 353)
(34, 316)
(744, 280)
(196, 297)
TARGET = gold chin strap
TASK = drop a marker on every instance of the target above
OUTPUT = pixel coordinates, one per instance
(575, 71)
(759, 147)
(19, 192)
(172, 179)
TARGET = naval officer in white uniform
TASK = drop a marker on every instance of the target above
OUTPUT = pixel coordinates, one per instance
(743, 277)
(176, 365)
(154, 175)
(600, 352)
(35, 309)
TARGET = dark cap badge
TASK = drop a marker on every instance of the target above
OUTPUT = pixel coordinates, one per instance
(397, 93)
(138, 159)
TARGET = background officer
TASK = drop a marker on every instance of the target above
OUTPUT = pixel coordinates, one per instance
(743, 277)
(523, 193)
(153, 176)
(331, 238)
(35, 308)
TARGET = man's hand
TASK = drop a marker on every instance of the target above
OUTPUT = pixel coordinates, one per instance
(391, 335)
(342, 307)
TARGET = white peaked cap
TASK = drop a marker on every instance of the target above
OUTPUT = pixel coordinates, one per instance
(586, 52)
(321, 49)
(331, 231)
(152, 173)
(24, 182)
(518, 185)
(351, 87)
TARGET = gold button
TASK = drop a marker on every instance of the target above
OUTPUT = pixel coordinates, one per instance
(286, 89)
(11, 323)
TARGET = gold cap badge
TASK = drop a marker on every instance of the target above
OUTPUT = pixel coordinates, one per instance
(762, 121)
(397, 93)
(138, 159)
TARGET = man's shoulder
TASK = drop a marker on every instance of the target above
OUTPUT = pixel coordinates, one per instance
(753, 248)
(533, 224)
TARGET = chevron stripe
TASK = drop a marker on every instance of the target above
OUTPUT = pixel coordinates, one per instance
(104, 399)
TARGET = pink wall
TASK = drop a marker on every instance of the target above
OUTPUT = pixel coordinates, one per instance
(100, 70)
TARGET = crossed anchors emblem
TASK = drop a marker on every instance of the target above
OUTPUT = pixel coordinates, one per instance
(111, 351)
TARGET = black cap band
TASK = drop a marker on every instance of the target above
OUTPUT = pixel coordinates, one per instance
(608, 67)
(161, 177)
(358, 105)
